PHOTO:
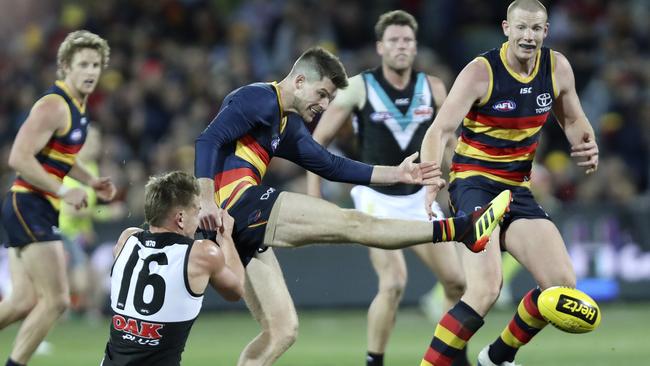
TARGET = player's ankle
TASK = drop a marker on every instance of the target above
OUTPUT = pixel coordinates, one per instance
(374, 359)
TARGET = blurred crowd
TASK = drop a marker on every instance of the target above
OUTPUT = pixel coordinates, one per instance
(173, 61)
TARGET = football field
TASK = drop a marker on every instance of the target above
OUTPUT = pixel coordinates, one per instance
(337, 337)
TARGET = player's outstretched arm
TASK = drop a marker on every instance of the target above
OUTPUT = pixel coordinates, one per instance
(103, 186)
(471, 86)
(572, 118)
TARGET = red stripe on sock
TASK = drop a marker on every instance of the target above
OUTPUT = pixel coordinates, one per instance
(456, 327)
(531, 307)
(520, 334)
(436, 358)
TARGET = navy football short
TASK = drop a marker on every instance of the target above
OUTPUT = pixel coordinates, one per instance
(251, 213)
(29, 218)
(469, 194)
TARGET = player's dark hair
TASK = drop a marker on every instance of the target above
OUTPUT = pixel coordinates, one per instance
(395, 17)
(325, 64)
(165, 192)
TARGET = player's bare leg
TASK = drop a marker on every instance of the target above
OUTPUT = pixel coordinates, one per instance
(45, 265)
(22, 298)
(444, 262)
(390, 267)
(545, 256)
(269, 301)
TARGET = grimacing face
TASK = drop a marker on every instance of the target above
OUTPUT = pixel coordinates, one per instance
(313, 97)
(526, 31)
(84, 70)
(398, 47)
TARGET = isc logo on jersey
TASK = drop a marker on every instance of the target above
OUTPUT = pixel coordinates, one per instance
(569, 309)
(504, 106)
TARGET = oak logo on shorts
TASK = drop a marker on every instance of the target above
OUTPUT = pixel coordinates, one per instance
(504, 106)
(137, 328)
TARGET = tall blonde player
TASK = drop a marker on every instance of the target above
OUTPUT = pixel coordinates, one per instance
(504, 98)
(43, 152)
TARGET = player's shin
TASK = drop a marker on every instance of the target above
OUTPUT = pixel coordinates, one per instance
(526, 323)
(451, 335)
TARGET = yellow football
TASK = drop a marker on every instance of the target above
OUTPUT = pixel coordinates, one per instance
(569, 309)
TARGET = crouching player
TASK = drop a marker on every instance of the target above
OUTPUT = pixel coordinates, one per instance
(160, 274)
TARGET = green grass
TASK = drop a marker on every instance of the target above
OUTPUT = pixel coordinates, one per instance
(337, 337)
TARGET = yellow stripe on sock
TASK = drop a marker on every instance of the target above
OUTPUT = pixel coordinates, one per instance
(510, 339)
(448, 337)
(529, 319)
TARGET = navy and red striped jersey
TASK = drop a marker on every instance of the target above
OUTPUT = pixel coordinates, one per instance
(251, 128)
(499, 136)
(59, 154)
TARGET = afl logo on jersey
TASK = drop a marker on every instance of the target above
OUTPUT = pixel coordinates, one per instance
(76, 135)
(504, 106)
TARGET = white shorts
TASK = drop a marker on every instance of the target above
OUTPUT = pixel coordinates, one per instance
(408, 207)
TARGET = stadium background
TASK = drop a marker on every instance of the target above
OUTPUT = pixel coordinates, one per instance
(172, 62)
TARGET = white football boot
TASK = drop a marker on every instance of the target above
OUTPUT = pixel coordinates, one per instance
(484, 359)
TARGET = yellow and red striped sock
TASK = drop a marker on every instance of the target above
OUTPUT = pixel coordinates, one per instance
(526, 323)
(451, 335)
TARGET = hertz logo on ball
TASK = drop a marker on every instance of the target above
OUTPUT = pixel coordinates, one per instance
(575, 307)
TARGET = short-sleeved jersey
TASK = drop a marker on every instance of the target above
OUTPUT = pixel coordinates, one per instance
(59, 154)
(152, 303)
(392, 122)
(250, 128)
(500, 135)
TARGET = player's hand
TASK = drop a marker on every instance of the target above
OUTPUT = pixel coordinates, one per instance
(587, 153)
(228, 223)
(210, 216)
(76, 197)
(424, 173)
(104, 188)
(430, 196)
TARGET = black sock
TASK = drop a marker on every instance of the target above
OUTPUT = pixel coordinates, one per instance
(11, 362)
(375, 359)
(461, 358)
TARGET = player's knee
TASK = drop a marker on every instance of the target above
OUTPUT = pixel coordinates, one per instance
(486, 294)
(454, 287)
(394, 291)
(287, 335)
(59, 303)
(24, 306)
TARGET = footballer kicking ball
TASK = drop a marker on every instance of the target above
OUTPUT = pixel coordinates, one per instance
(569, 309)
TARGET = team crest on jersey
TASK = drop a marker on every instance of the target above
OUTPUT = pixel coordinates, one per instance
(76, 134)
(84, 120)
(504, 106)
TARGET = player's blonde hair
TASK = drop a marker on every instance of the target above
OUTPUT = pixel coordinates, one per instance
(76, 41)
(166, 192)
(527, 5)
(395, 17)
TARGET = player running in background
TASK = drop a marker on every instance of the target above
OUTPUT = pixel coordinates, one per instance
(43, 152)
(504, 98)
(151, 327)
(262, 120)
(393, 105)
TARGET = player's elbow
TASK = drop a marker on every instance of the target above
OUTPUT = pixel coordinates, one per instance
(15, 160)
(233, 294)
